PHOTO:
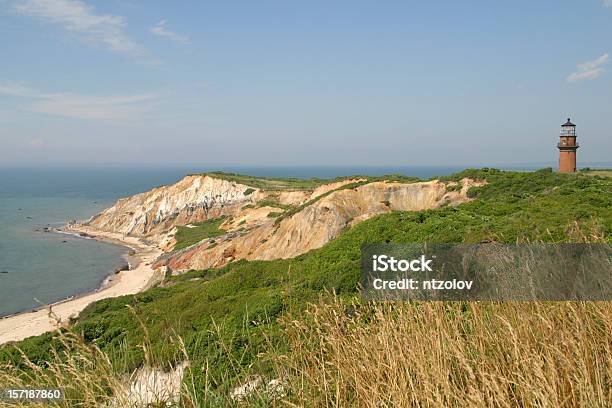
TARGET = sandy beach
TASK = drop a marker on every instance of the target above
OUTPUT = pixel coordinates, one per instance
(126, 282)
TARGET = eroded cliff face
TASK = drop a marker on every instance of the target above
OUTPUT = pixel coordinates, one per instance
(155, 213)
(194, 198)
(263, 224)
(318, 223)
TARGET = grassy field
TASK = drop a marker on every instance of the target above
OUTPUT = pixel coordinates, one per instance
(189, 235)
(249, 318)
(281, 184)
(273, 201)
(511, 354)
(271, 183)
(600, 173)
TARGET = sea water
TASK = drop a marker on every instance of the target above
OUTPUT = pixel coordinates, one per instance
(38, 268)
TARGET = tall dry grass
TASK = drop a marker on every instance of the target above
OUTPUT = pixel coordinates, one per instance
(427, 354)
(88, 378)
(513, 354)
(83, 372)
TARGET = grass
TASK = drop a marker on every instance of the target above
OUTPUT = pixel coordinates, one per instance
(339, 353)
(434, 354)
(236, 321)
(270, 183)
(453, 188)
(273, 201)
(600, 173)
(88, 378)
(282, 184)
(83, 372)
(187, 236)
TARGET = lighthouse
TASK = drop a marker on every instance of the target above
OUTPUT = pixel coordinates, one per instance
(567, 147)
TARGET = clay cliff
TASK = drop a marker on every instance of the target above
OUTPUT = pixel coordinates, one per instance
(263, 224)
(318, 223)
(153, 214)
(194, 198)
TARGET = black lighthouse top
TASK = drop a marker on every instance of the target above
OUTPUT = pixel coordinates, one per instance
(568, 123)
(568, 129)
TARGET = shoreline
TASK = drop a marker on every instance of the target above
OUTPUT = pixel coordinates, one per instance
(136, 279)
(128, 257)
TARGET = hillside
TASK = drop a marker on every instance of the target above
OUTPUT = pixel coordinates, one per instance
(195, 198)
(232, 319)
(209, 220)
(292, 233)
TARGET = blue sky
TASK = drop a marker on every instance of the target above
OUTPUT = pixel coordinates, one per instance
(302, 83)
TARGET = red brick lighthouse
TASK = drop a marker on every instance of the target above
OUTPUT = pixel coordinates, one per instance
(567, 148)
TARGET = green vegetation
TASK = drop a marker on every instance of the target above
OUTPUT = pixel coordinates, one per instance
(229, 317)
(270, 183)
(282, 184)
(456, 187)
(272, 201)
(249, 191)
(187, 236)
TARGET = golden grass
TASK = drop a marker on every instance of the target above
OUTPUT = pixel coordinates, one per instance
(89, 379)
(85, 374)
(600, 173)
(513, 354)
(425, 354)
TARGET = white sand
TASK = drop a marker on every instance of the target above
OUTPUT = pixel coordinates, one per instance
(21, 326)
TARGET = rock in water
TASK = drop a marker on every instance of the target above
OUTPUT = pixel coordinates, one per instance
(124, 267)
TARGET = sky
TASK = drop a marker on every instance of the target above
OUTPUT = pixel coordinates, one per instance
(268, 83)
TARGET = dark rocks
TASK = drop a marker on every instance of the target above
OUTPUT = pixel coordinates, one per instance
(124, 267)
(43, 229)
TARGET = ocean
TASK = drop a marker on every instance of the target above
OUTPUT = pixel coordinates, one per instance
(39, 268)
